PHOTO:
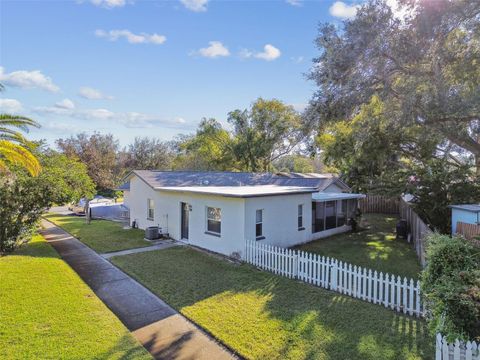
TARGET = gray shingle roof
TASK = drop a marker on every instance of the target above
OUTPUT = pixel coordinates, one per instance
(158, 179)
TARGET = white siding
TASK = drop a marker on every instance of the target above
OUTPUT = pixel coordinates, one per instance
(280, 213)
(280, 219)
(137, 203)
(231, 238)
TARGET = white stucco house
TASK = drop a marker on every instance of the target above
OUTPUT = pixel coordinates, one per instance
(219, 210)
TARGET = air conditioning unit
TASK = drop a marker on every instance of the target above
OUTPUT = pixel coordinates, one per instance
(152, 233)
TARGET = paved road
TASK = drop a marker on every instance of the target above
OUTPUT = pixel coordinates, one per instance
(160, 329)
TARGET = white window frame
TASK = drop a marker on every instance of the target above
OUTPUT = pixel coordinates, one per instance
(300, 224)
(261, 236)
(211, 232)
(150, 209)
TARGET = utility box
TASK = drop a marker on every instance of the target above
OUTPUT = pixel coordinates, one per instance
(152, 233)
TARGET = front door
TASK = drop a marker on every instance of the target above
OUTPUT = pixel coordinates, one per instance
(184, 220)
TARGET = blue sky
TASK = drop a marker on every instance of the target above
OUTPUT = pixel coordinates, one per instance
(153, 68)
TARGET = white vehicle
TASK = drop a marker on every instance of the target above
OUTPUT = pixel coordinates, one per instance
(79, 208)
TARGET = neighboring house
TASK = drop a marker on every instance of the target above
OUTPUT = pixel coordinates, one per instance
(466, 213)
(219, 210)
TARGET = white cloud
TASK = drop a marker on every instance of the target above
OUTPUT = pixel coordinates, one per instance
(195, 5)
(128, 119)
(141, 38)
(10, 106)
(294, 2)
(93, 94)
(28, 80)
(343, 11)
(109, 3)
(269, 53)
(65, 104)
(216, 49)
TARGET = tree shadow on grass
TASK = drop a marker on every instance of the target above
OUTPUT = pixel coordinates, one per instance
(314, 322)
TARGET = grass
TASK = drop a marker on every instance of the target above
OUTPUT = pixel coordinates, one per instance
(48, 312)
(103, 236)
(375, 248)
(263, 316)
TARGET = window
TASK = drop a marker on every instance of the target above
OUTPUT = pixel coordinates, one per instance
(328, 215)
(150, 209)
(214, 220)
(259, 225)
(300, 217)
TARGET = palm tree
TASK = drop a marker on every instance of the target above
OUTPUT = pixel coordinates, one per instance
(14, 147)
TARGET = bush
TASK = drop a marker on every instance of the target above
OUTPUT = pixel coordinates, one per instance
(451, 287)
(23, 200)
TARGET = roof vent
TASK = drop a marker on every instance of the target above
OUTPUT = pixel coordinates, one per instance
(205, 182)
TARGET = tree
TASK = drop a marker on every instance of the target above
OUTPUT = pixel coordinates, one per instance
(99, 153)
(424, 68)
(67, 178)
(294, 163)
(15, 149)
(268, 130)
(209, 149)
(147, 153)
(25, 198)
(370, 146)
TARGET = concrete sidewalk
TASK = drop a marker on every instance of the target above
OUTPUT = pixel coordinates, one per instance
(160, 329)
(164, 244)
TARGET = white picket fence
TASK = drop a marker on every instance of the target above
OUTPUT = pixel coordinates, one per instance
(457, 350)
(378, 288)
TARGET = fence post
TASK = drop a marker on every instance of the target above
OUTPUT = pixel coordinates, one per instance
(438, 347)
(334, 273)
(296, 264)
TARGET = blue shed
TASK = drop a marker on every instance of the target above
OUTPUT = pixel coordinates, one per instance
(468, 213)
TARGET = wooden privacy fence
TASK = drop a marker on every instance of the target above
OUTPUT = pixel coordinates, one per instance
(457, 350)
(387, 290)
(379, 204)
(417, 228)
(469, 231)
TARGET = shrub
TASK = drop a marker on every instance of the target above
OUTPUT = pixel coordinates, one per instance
(451, 287)
(23, 200)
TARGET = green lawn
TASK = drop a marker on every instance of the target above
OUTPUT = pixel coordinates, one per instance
(101, 235)
(375, 248)
(48, 312)
(263, 316)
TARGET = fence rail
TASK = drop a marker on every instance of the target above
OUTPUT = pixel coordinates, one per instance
(378, 288)
(379, 204)
(457, 350)
(469, 231)
(418, 229)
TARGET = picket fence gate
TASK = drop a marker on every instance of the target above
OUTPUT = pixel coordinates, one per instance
(456, 351)
(361, 283)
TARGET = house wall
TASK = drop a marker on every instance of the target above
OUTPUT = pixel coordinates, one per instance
(238, 217)
(280, 226)
(333, 188)
(463, 216)
(231, 238)
(126, 197)
(137, 203)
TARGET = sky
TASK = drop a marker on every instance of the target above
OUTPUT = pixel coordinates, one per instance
(154, 68)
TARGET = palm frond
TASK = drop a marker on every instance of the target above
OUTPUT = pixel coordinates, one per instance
(20, 122)
(12, 135)
(16, 154)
